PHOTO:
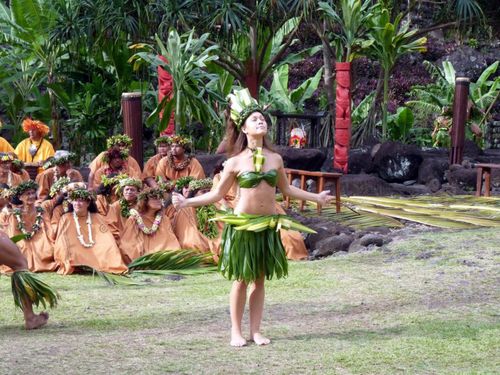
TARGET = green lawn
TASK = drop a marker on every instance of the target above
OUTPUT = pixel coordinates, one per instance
(426, 304)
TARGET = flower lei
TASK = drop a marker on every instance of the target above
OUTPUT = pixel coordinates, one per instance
(36, 225)
(178, 167)
(79, 230)
(205, 226)
(140, 223)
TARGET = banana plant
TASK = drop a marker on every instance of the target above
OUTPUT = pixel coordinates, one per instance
(388, 41)
(282, 98)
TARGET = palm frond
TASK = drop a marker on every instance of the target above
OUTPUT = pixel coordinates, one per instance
(174, 261)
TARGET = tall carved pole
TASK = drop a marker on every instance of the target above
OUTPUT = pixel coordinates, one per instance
(166, 88)
(460, 105)
(132, 122)
(342, 116)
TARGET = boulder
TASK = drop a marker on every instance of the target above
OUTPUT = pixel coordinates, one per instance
(396, 162)
(472, 150)
(372, 239)
(332, 244)
(431, 169)
(467, 61)
(360, 161)
(309, 159)
(461, 177)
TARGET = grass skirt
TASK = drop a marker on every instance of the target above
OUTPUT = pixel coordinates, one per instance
(248, 255)
(27, 287)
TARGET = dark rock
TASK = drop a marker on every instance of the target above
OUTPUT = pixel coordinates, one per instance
(468, 62)
(325, 229)
(409, 182)
(210, 161)
(396, 162)
(372, 239)
(360, 161)
(463, 178)
(434, 185)
(362, 184)
(431, 169)
(331, 245)
(356, 246)
(471, 150)
(309, 159)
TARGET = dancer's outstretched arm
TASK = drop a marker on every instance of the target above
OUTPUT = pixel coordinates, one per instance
(322, 198)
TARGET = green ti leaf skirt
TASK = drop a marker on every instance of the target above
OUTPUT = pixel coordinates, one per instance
(251, 246)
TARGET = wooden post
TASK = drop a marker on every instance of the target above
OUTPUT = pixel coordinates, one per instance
(460, 101)
(132, 123)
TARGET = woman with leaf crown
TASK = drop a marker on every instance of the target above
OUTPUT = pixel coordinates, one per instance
(33, 221)
(127, 190)
(83, 238)
(121, 141)
(251, 249)
(116, 163)
(148, 229)
(192, 226)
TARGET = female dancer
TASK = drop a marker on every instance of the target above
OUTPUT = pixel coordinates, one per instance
(248, 255)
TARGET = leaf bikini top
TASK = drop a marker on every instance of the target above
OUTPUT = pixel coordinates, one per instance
(251, 179)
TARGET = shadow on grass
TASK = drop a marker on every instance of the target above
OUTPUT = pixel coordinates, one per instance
(434, 329)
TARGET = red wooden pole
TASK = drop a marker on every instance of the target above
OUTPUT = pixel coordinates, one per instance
(342, 116)
(132, 123)
(460, 102)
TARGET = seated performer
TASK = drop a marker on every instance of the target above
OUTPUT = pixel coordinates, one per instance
(11, 257)
(186, 226)
(119, 211)
(123, 142)
(17, 167)
(5, 146)
(83, 238)
(149, 173)
(6, 174)
(115, 160)
(57, 167)
(35, 149)
(34, 222)
(251, 249)
(177, 164)
(148, 229)
(59, 199)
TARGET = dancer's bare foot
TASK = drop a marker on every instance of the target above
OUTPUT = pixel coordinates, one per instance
(36, 321)
(259, 339)
(237, 339)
